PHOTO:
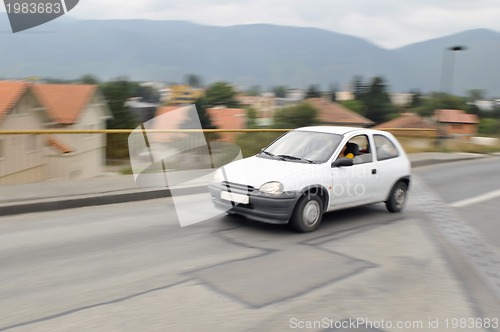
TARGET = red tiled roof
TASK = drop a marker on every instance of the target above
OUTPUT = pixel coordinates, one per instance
(64, 102)
(171, 121)
(408, 120)
(10, 94)
(455, 116)
(334, 113)
(165, 109)
(58, 145)
(167, 119)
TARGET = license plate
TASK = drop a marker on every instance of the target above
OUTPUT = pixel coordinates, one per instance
(233, 197)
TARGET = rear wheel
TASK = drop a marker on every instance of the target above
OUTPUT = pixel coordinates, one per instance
(308, 214)
(398, 197)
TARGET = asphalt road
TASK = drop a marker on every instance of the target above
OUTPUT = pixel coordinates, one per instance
(473, 189)
(131, 267)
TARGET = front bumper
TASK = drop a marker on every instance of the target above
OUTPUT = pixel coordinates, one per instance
(261, 207)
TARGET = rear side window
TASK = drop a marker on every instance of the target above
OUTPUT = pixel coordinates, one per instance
(385, 148)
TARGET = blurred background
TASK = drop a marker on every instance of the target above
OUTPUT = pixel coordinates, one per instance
(83, 247)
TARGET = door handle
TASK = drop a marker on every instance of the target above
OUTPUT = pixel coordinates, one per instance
(374, 171)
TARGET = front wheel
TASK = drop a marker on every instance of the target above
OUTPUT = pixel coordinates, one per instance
(397, 198)
(308, 213)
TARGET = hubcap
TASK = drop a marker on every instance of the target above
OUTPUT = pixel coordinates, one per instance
(399, 197)
(311, 213)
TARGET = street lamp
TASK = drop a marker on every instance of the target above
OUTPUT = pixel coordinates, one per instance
(453, 49)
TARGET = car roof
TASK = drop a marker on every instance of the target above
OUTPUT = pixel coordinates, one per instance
(340, 130)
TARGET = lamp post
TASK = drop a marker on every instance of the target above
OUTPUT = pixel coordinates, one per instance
(451, 66)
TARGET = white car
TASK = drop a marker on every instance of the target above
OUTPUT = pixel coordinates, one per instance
(307, 172)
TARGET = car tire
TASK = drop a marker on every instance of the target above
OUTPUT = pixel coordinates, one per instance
(307, 214)
(397, 198)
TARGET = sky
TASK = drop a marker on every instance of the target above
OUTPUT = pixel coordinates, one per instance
(386, 23)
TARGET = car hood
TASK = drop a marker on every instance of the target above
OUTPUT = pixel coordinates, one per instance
(255, 171)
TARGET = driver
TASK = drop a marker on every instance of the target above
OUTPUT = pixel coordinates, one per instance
(348, 151)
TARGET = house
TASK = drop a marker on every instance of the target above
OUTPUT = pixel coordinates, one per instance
(21, 155)
(167, 119)
(184, 94)
(485, 105)
(32, 157)
(330, 113)
(292, 97)
(401, 99)
(264, 105)
(142, 110)
(413, 131)
(344, 95)
(408, 121)
(228, 118)
(295, 95)
(456, 123)
(74, 107)
(148, 147)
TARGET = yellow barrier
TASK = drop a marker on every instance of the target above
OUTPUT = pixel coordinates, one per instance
(117, 139)
(129, 131)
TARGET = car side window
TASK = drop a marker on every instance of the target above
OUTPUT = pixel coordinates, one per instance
(363, 151)
(385, 148)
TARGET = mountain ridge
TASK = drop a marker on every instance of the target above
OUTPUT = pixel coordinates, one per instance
(246, 54)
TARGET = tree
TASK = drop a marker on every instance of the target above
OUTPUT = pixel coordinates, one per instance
(416, 99)
(475, 95)
(489, 127)
(251, 118)
(194, 80)
(253, 91)
(354, 105)
(220, 94)
(333, 92)
(295, 116)
(359, 87)
(313, 91)
(439, 101)
(377, 101)
(496, 112)
(147, 94)
(280, 91)
(116, 93)
(89, 79)
(201, 109)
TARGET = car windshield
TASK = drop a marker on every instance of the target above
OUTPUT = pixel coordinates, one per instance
(303, 146)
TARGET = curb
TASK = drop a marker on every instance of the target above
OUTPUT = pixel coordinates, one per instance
(422, 163)
(95, 200)
(33, 206)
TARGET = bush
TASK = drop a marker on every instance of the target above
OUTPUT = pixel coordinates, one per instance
(252, 143)
(301, 115)
(489, 126)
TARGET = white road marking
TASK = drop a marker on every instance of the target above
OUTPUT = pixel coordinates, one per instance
(477, 199)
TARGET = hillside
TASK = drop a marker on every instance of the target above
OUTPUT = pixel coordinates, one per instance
(248, 54)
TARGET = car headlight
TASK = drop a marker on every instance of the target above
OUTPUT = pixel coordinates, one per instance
(218, 177)
(272, 188)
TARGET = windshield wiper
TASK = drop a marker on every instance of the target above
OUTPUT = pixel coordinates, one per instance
(271, 155)
(295, 158)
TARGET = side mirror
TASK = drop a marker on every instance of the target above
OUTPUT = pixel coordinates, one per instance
(343, 162)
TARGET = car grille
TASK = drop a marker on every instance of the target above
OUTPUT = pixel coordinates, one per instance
(236, 187)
